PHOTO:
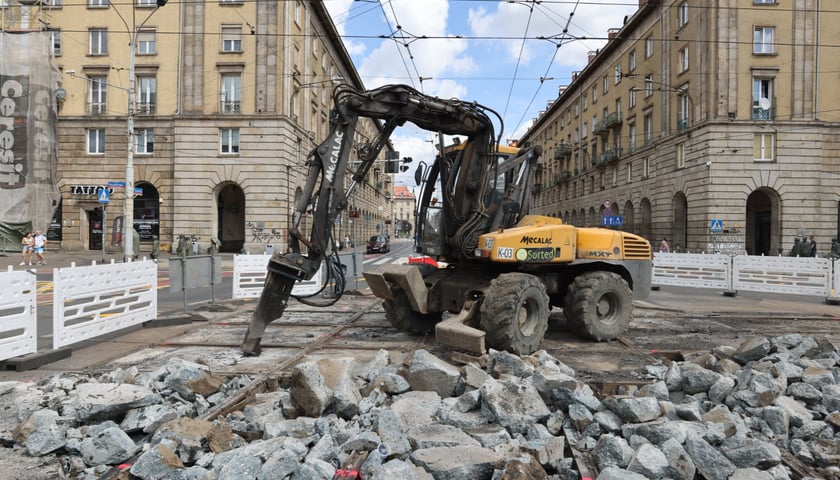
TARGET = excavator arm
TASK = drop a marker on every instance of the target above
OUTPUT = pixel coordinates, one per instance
(324, 193)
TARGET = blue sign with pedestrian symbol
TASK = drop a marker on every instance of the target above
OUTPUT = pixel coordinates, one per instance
(104, 195)
(717, 226)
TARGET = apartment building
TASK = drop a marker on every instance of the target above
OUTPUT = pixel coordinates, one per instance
(229, 97)
(710, 124)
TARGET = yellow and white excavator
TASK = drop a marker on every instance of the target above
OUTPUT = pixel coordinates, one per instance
(504, 268)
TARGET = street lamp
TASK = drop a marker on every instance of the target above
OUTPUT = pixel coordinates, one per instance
(335, 79)
(128, 213)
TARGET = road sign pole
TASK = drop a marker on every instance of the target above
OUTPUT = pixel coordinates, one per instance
(103, 231)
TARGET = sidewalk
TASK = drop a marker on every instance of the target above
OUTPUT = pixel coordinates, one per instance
(60, 259)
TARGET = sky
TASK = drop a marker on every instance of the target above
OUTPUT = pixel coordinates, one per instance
(510, 56)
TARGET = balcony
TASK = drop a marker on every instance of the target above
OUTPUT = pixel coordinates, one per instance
(759, 113)
(97, 108)
(682, 124)
(611, 121)
(231, 106)
(146, 108)
(610, 155)
(562, 151)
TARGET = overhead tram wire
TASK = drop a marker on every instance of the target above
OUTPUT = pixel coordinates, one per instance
(405, 43)
(564, 37)
(519, 59)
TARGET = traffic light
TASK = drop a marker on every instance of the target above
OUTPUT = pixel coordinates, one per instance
(405, 161)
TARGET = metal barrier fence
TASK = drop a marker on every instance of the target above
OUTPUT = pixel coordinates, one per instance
(18, 313)
(249, 272)
(733, 273)
(94, 300)
(99, 299)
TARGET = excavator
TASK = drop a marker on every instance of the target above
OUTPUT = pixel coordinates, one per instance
(498, 270)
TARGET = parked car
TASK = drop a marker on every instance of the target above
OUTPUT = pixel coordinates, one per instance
(378, 244)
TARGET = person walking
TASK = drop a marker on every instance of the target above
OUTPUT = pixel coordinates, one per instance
(664, 247)
(40, 247)
(812, 244)
(27, 244)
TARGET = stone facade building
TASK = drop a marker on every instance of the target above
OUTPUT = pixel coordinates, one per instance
(230, 96)
(711, 124)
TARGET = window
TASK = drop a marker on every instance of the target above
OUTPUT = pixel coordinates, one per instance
(98, 41)
(594, 94)
(648, 85)
(631, 61)
(681, 155)
(97, 95)
(763, 40)
(146, 44)
(683, 110)
(645, 167)
(146, 94)
(763, 99)
(765, 2)
(629, 172)
(55, 38)
(606, 81)
(231, 38)
(97, 3)
(682, 15)
(648, 129)
(229, 140)
(585, 102)
(614, 176)
(144, 140)
(146, 3)
(583, 130)
(649, 46)
(683, 59)
(96, 141)
(51, 3)
(617, 74)
(764, 149)
(631, 97)
(231, 94)
(631, 137)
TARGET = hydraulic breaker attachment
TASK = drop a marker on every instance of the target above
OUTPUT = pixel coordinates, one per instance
(283, 273)
(460, 332)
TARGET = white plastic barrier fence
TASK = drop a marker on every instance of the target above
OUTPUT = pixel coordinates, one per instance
(99, 299)
(692, 270)
(794, 275)
(249, 272)
(18, 313)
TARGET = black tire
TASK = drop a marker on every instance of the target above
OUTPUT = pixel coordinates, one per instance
(598, 306)
(514, 313)
(398, 311)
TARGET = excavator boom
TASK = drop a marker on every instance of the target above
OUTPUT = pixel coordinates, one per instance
(324, 192)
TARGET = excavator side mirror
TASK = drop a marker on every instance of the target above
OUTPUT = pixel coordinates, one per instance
(418, 174)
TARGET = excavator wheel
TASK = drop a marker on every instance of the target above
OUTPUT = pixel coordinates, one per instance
(398, 311)
(598, 306)
(514, 313)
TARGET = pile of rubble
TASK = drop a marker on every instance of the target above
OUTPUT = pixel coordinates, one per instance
(769, 409)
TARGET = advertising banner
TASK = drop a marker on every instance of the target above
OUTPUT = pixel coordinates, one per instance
(28, 152)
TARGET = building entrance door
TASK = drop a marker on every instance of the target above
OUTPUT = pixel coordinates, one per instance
(95, 229)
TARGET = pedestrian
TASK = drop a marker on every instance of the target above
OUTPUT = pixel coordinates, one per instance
(40, 247)
(347, 243)
(27, 245)
(813, 246)
(663, 247)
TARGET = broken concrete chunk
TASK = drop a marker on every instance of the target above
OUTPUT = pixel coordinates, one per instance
(102, 401)
(41, 433)
(309, 392)
(428, 373)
